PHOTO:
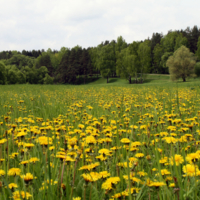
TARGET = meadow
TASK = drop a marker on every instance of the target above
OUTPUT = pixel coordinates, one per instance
(100, 141)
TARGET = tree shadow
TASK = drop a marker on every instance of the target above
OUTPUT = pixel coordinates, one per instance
(112, 80)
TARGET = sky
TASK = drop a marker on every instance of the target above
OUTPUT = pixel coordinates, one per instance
(43, 24)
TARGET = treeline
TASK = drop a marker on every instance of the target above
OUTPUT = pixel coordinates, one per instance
(110, 58)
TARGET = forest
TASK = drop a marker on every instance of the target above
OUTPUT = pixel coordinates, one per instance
(108, 59)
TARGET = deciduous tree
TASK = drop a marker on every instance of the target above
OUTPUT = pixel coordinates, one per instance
(181, 64)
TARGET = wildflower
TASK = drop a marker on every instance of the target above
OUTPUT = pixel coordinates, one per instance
(12, 185)
(76, 198)
(172, 185)
(117, 196)
(157, 184)
(91, 177)
(190, 170)
(2, 141)
(63, 186)
(163, 160)
(133, 190)
(110, 182)
(104, 174)
(17, 195)
(170, 140)
(13, 155)
(104, 151)
(24, 162)
(27, 178)
(164, 172)
(89, 167)
(28, 145)
(139, 155)
(43, 140)
(14, 172)
(177, 158)
(2, 172)
(21, 134)
(33, 160)
(125, 140)
(101, 157)
(192, 157)
(90, 140)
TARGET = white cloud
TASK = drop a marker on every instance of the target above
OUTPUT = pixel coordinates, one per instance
(47, 24)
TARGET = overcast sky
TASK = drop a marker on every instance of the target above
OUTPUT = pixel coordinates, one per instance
(43, 24)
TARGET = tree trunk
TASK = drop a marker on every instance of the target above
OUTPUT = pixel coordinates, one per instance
(129, 79)
(84, 77)
(183, 79)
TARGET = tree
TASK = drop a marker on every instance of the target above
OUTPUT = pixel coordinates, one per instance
(155, 41)
(84, 63)
(121, 44)
(163, 61)
(121, 67)
(12, 77)
(128, 62)
(194, 35)
(198, 49)
(2, 73)
(135, 67)
(131, 64)
(21, 77)
(144, 53)
(180, 40)
(157, 54)
(120, 54)
(45, 60)
(169, 41)
(181, 64)
(106, 61)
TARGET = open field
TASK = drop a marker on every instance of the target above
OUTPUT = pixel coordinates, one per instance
(100, 141)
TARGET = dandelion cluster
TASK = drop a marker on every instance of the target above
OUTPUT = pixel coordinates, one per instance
(99, 143)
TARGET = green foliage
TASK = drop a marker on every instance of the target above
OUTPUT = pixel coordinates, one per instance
(12, 77)
(197, 69)
(45, 60)
(180, 40)
(21, 77)
(163, 61)
(21, 60)
(106, 62)
(157, 55)
(121, 44)
(144, 53)
(48, 79)
(121, 69)
(128, 62)
(2, 73)
(169, 41)
(181, 64)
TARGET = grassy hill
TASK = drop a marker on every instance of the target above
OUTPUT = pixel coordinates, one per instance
(149, 78)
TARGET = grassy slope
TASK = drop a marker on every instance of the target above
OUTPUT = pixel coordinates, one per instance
(150, 79)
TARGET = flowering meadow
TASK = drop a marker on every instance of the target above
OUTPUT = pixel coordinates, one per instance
(99, 142)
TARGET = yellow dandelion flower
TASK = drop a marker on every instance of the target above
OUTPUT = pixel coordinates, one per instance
(14, 172)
